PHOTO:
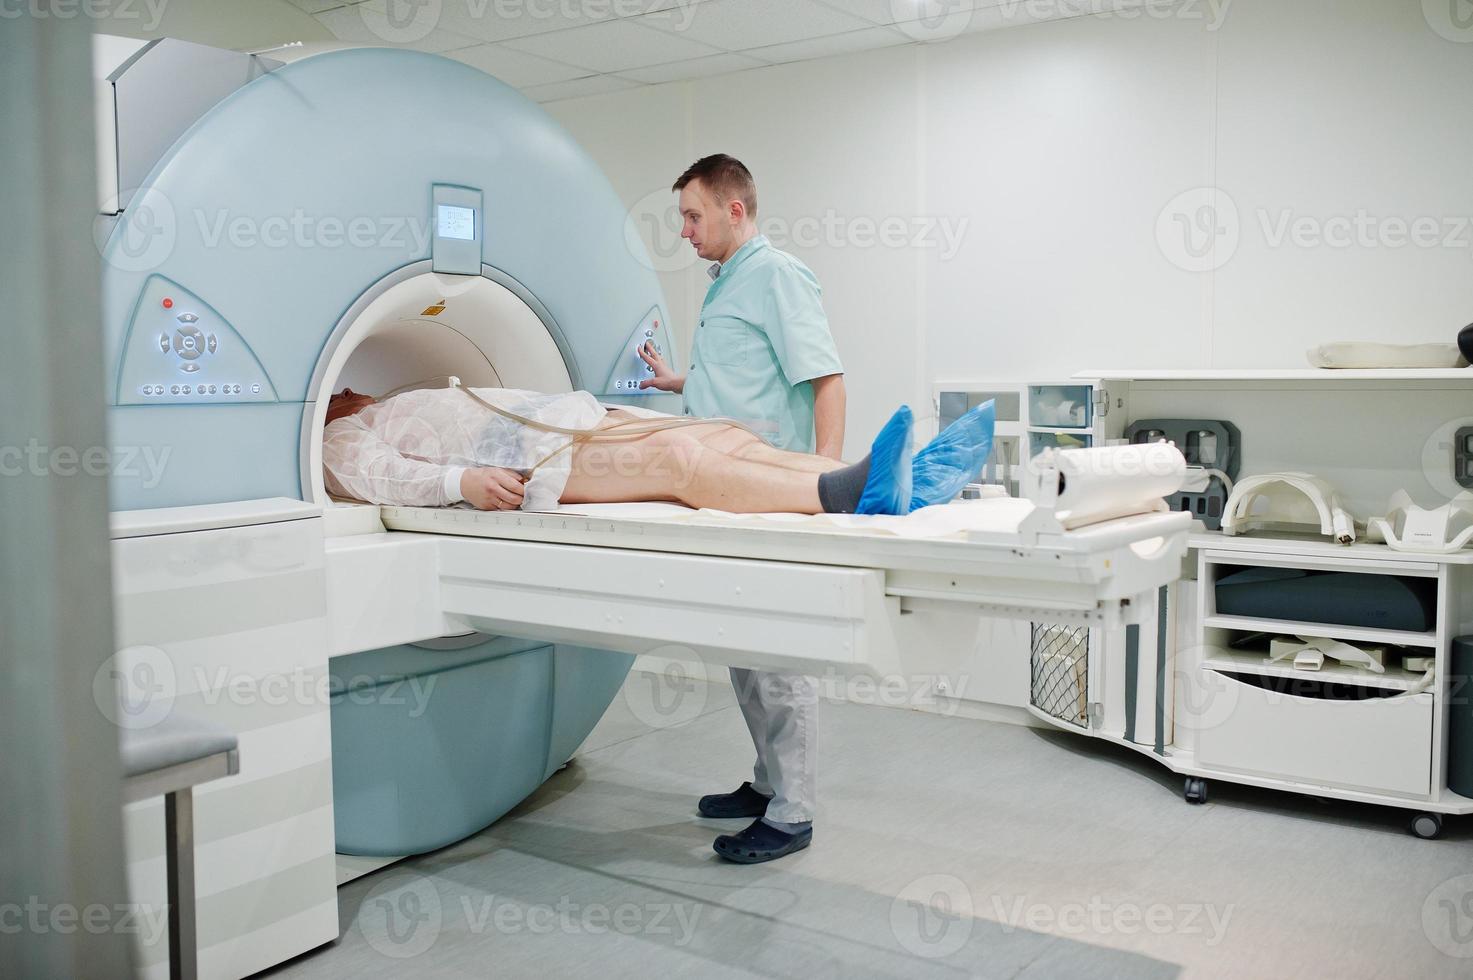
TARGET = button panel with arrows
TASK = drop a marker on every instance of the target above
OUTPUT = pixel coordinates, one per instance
(182, 350)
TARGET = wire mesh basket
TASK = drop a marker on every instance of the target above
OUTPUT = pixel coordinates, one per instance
(1060, 660)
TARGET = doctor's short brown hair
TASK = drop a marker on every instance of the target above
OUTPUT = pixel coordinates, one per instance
(724, 176)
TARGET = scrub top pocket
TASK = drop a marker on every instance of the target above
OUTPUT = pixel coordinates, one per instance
(724, 341)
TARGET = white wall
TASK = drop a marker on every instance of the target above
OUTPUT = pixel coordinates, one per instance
(1071, 153)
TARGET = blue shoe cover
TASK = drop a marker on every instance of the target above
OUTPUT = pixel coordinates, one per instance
(887, 490)
(955, 457)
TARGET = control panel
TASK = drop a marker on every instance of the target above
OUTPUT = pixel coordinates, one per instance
(179, 350)
(629, 368)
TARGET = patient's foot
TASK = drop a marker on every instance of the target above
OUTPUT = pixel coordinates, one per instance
(888, 489)
(879, 483)
(953, 458)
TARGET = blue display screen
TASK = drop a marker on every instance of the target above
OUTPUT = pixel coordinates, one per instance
(455, 222)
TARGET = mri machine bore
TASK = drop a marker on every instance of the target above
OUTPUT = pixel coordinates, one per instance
(402, 677)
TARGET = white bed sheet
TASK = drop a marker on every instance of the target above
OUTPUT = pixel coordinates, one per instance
(996, 515)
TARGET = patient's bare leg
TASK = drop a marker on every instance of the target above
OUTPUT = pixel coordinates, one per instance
(680, 465)
(738, 442)
(747, 446)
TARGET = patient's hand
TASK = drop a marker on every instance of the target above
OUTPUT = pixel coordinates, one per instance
(492, 488)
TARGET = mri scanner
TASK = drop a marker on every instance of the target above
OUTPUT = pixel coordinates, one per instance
(401, 677)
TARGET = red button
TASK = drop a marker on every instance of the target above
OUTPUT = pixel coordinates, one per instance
(168, 303)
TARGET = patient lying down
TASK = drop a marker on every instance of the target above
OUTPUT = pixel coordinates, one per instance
(435, 448)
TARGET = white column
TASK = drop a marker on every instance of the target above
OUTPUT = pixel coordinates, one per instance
(61, 847)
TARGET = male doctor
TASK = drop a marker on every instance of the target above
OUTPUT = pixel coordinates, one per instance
(763, 354)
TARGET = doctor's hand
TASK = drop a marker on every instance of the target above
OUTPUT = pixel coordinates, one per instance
(492, 488)
(664, 379)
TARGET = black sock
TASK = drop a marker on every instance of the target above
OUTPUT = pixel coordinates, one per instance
(839, 490)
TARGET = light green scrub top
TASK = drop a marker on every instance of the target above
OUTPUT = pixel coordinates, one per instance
(762, 334)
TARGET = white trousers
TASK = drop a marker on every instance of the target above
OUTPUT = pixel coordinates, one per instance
(781, 711)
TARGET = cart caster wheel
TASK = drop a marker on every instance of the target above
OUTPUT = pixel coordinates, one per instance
(1427, 826)
(1195, 790)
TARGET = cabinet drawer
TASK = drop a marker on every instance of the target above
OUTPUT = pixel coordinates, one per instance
(1379, 744)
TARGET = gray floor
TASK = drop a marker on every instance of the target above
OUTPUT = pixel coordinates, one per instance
(944, 848)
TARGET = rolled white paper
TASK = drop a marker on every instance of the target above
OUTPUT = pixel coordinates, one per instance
(1083, 486)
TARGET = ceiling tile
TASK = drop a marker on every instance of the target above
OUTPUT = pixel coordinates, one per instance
(933, 13)
(502, 20)
(992, 15)
(612, 46)
(865, 39)
(941, 20)
(716, 64)
(516, 68)
(650, 6)
(318, 6)
(577, 88)
(367, 23)
(881, 11)
(736, 25)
